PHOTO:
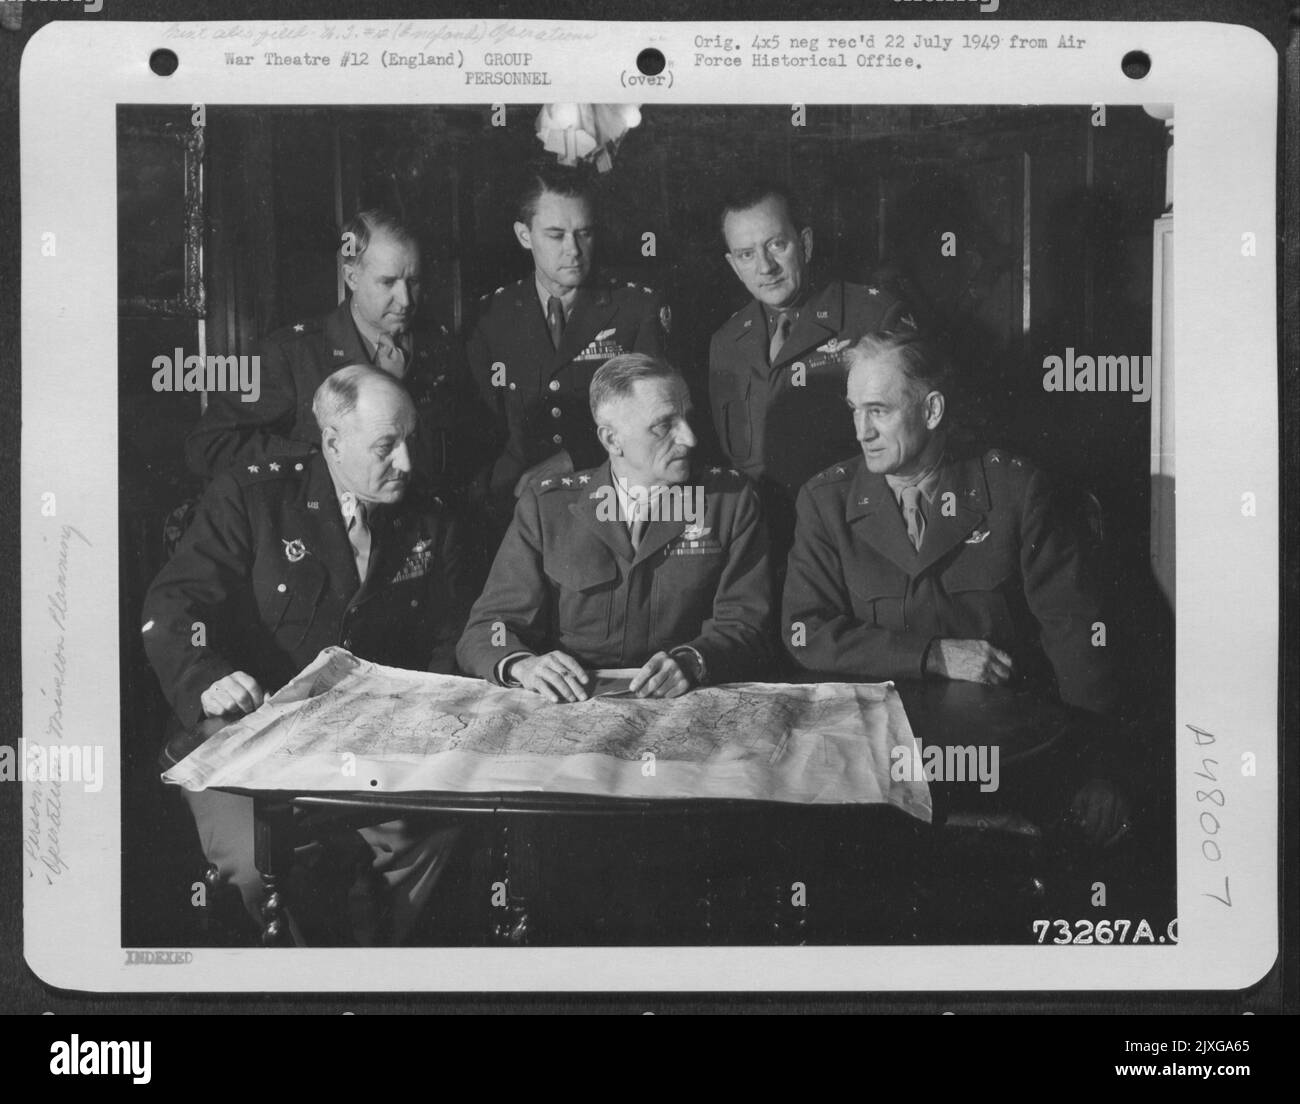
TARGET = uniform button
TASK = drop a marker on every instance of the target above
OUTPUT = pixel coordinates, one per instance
(512, 385)
(555, 412)
(414, 602)
(554, 385)
(282, 588)
(558, 439)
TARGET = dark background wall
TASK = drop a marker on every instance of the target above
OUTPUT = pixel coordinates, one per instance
(1052, 217)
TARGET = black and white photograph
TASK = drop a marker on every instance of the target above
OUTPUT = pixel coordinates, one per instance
(581, 524)
(653, 516)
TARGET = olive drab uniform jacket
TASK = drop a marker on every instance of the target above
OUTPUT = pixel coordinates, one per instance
(538, 393)
(567, 577)
(454, 431)
(1001, 560)
(265, 578)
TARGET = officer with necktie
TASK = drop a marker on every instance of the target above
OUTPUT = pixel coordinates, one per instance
(776, 367)
(377, 323)
(295, 553)
(911, 561)
(538, 342)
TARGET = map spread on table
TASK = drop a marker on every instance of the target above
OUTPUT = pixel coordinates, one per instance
(346, 724)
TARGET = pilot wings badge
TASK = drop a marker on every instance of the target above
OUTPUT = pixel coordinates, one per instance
(294, 550)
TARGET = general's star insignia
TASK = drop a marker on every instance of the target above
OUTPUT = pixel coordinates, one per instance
(584, 479)
(273, 466)
(839, 471)
(298, 327)
(567, 481)
(253, 469)
(547, 482)
(873, 291)
(715, 471)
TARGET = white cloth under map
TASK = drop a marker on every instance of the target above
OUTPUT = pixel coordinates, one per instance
(346, 724)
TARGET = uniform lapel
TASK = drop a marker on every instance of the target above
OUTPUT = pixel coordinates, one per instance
(590, 508)
(944, 530)
(343, 344)
(321, 528)
(657, 534)
(874, 517)
(751, 339)
(592, 308)
(819, 320)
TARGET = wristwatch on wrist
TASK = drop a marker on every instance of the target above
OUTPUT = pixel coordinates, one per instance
(691, 663)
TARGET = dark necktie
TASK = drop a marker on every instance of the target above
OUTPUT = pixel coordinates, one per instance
(779, 333)
(913, 516)
(555, 320)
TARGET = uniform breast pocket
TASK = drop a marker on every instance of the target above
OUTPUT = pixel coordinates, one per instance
(288, 599)
(879, 601)
(734, 419)
(979, 589)
(584, 597)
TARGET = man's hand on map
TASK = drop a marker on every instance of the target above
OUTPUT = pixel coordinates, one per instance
(661, 677)
(558, 677)
(237, 693)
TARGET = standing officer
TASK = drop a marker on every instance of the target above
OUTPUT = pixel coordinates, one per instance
(776, 367)
(538, 342)
(910, 562)
(375, 324)
(292, 554)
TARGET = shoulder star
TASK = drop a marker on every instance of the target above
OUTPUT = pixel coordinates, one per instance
(273, 466)
(252, 468)
(567, 481)
(298, 327)
(584, 479)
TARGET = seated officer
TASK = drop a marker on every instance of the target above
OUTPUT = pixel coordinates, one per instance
(288, 556)
(636, 563)
(377, 323)
(910, 562)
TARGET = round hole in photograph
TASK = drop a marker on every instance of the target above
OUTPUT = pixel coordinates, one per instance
(1136, 64)
(164, 62)
(650, 62)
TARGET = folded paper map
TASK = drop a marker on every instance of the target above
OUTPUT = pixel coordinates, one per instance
(346, 724)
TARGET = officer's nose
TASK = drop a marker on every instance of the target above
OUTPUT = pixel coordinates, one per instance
(685, 435)
(401, 458)
(862, 426)
(767, 262)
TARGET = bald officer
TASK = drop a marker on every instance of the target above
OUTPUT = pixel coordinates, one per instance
(910, 562)
(538, 342)
(776, 367)
(640, 562)
(290, 555)
(378, 324)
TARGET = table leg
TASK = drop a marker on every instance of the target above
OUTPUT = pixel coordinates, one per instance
(273, 853)
(515, 870)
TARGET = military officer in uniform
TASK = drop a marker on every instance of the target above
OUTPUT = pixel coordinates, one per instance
(910, 562)
(291, 554)
(538, 342)
(375, 324)
(776, 367)
(603, 567)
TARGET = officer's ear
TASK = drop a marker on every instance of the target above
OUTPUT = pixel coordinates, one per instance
(350, 274)
(806, 240)
(934, 408)
(329, 442)
(608, 437)
(524, 235)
